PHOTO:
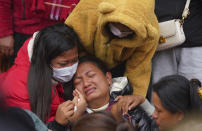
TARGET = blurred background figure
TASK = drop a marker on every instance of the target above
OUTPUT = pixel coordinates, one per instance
(16, 119)
(186, 59)
(192, 123)
(101, 121)
(19, 19)
(175, 98)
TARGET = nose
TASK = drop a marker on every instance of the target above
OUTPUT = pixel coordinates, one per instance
(154, 114)
(86, 82)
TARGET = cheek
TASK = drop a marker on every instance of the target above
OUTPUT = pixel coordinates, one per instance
(104, 87)
(165, 120)
(79, 88)
(161, 121)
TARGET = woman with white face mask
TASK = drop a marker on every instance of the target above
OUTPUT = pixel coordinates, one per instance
(45, 61)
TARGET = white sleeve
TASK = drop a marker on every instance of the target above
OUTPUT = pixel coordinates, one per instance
(147, 107)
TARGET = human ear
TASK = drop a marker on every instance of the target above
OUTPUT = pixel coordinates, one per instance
(109, 77)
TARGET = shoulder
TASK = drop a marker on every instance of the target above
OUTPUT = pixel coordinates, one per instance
(140, 118)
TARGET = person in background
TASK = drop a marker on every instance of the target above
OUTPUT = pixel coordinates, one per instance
(46, 60)
(101, 121)
(192, 123)
(118, 32)
(175, 98)
(19, 19)
(16, 119)
(185, 60)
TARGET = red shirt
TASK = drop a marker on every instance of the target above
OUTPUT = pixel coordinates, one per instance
(29, 16)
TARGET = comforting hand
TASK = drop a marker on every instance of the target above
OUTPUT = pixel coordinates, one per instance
(129, 102)
(6, 45)
(64, 112)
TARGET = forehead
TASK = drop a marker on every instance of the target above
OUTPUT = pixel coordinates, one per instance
(157, 100)
(86, 67)
(68, 55)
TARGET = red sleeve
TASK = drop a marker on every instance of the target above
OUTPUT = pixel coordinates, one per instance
(17, 102)
(6, 24)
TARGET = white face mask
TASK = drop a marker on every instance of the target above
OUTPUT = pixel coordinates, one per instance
(64, 74)
(115, 31)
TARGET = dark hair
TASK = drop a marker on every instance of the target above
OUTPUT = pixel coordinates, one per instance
(100, 121)
(97, 62)
(176, 93)
(49, 43)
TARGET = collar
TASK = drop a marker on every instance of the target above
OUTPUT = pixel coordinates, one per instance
(90, 110)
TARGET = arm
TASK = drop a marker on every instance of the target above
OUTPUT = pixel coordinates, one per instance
(18, 101)
(6, 30)
(147, 107)
(116, 112)
(138, 70)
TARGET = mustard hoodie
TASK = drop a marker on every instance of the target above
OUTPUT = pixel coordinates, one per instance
(90, 18)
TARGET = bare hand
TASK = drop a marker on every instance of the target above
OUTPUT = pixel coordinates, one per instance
(79, 99)
(6, 45)
(129, 102)
(80, 104)
(64, 112)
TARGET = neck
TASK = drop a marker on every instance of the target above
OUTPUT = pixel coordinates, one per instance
(97, 103)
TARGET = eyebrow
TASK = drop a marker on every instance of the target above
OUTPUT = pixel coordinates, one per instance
(67, 61)
(72, 59)
(89, 72)
(79, 77)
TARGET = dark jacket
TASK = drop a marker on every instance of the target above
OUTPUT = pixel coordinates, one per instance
(172, 9)
(137, 116)
(16, 119)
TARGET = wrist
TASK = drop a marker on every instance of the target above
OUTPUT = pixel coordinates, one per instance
(54, 125)
(60, 122)
(140, 98)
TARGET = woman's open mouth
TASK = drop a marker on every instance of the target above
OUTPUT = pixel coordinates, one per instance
(89, 91)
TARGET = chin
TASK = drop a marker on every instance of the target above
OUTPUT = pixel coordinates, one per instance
(92, 97)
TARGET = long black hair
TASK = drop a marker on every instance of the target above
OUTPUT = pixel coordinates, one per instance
(49, 43)
(177, 93)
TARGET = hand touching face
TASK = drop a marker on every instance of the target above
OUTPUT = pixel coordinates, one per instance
(92, 82)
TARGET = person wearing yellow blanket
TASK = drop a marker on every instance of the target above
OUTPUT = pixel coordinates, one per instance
(118, 31)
